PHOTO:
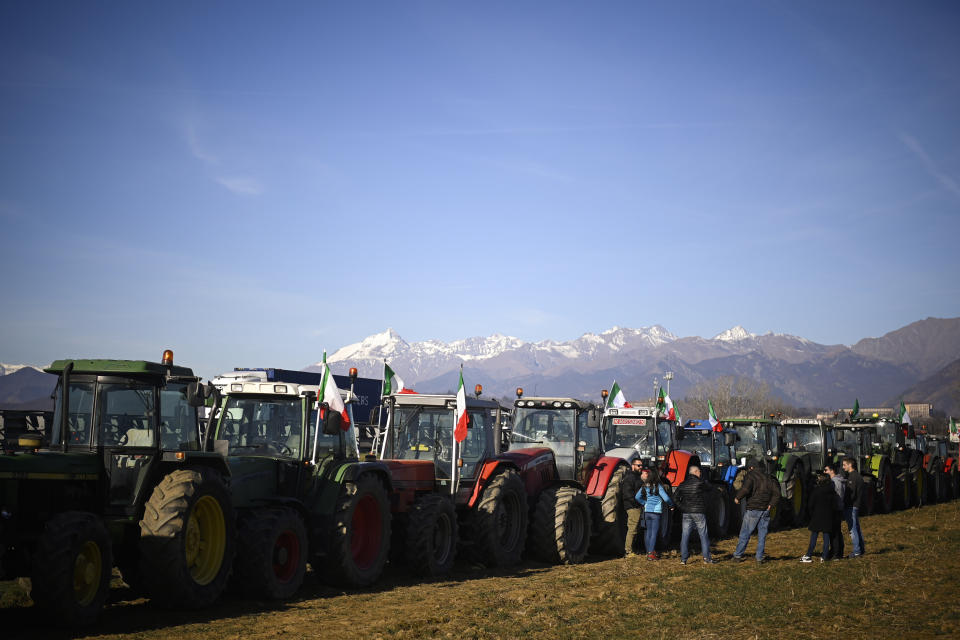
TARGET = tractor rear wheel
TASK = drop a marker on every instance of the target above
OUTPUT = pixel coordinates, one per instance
(72, 567)
(955, 483)
(187, 538)
(431, 540)
(499, 521)
(360, 540)
(611, 518)
(886, 489)
(797, 490)
(272, 554)
(718, 520)
(560, 531)
(869, 495)
(919, 478)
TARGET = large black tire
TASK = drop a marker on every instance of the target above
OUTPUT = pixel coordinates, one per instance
(796, 490)
(918, 478)
(955, 483)
(735, 510)
(431, 536)
(271, 553)
(718, 512)
(499, 521)
(610, 518)
(187, 539)
(886, 489)
(560, 529)
(360, 540)
(71, 569)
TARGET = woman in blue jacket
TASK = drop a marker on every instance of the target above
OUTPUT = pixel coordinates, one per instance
(652, 496)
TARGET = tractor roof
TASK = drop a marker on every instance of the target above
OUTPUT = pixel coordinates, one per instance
(119, 367)
(438, 400)
(542, 402)
(640, 412)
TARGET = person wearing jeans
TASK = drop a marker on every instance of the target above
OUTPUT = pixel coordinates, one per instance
(820, 506)
(691, 497)
(652, 495)
(761, 494)
(851, 514)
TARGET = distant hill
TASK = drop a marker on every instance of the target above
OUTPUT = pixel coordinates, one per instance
(27, 388)
(926, 346)
(942, 390)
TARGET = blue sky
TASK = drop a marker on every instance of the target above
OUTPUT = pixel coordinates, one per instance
(249, 183)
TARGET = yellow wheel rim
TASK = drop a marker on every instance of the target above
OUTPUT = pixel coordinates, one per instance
(87, 568)
(206, 540)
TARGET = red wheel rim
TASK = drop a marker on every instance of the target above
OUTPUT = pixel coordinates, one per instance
(286, 556)
(365, 533)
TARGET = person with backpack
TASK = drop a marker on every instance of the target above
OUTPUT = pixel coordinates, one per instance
(762, 494)
(652, 496)
(691, 497)
(820, 506)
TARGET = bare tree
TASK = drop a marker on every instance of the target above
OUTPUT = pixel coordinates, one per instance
(733, 397)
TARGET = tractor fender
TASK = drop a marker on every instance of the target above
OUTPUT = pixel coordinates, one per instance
(537, 468)
(350, 472)
(676, 464)
(600, 475)
(169, 462)
(489, 469)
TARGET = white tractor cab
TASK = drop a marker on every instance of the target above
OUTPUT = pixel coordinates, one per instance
(262, 415)
(637, 432)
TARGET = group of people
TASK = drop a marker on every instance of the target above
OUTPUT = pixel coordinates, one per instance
(835, 499)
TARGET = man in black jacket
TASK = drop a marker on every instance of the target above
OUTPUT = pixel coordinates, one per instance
(762, 495)
(692, 498)
(629, 487)
(852, 512)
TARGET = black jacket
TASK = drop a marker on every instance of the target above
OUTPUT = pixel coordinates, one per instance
(629, 487)
(821, 507)
(760, 490)
(691, 495)
(855, 487)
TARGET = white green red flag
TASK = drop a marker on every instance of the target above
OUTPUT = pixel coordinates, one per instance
(330, 394)
(904, 416)
(954, 434)
(714, 422)
(617, 399)
(392, 383)
(665, 405)
(460, 432)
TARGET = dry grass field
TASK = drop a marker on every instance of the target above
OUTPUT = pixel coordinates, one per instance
(905, 587)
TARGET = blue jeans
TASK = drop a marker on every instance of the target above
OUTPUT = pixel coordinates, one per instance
(652, 521)
(852, 517)
(691, 520)
(813, 544)
(759, 520)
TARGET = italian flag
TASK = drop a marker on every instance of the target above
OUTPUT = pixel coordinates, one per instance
(954, 434)
(460, 432)
(617, 399)
(665, 405)
(714, 422)
(904, 416)
(392, 383)
(331, 395)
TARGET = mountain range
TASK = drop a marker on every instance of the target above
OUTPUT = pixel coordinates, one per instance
(802, 372)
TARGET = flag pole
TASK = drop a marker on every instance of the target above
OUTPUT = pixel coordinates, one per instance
(454, 480)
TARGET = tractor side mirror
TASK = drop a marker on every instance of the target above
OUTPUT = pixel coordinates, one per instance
(196, 394)
(678, 432)
(593, 419)
(332, 421)
(729, 438)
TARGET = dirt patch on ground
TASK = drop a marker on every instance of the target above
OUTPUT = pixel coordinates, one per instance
(905, 586)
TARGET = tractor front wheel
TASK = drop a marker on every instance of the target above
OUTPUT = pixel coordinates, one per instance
(360, 541)
(71, 570)
(611, 518)
(272, 554)
(431, 540)
(719, 513)
(187, 539)
(499, 521)
(886, 489)
(560, 531)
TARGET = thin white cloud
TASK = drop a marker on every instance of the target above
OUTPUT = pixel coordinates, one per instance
(945, 181)
(199, 151)
(241, 186)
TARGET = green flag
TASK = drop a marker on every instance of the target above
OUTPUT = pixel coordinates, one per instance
(856, 409)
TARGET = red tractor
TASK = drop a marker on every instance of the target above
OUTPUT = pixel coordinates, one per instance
(575, 487)
(941, 468)
(447, 493)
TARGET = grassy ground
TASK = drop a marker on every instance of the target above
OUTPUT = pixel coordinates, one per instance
(906, 586)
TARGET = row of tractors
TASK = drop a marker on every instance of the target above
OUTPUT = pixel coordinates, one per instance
(131, 477)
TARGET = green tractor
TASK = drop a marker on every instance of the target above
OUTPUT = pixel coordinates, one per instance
(299, 488)
(123, 481)
(758, 438)
(807, 446)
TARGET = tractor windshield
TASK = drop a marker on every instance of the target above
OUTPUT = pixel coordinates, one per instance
(753, 441)
(127, 415)
(638, 433)
(264, 426)
(887, 432)
(426, 433)
(543, 426)
(700, 443)
(79, 414)
(802, 438)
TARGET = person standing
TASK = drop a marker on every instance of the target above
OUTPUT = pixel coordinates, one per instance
(652, 496)
(821, 517)
(852, 513)
(762, 496)
(840, 490)
(629, 488)
(692, 500)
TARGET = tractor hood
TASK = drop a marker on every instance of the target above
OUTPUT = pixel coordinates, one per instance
(49, 465)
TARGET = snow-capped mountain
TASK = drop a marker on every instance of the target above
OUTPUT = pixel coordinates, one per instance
(803, 372)
(6, 369)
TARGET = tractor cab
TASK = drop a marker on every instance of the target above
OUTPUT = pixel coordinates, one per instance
(568, 427)
(638, 432)
(857, 441)
(421, 427)
(809, 439)
(716, 449)
(756, 438)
